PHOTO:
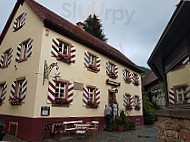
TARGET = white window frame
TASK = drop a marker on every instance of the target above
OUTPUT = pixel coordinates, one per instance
(183, 95)
(91, 91)
(60, 88)
(92, 59)
(111, 67)
(62, 46)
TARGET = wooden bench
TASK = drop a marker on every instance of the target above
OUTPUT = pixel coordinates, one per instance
(69, 126)
(93, 126)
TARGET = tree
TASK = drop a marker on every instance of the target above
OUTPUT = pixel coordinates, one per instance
(93, 26)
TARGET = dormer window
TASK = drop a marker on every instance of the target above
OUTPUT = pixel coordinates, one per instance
(63, 50)
(19, 22)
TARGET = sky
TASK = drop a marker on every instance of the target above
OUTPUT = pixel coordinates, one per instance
(132, 26)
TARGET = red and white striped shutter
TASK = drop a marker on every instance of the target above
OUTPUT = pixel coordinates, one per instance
(15, 25)
(125, 100)
(133, 78)
(187, 90)
(51, 92)
(29, 47)
(116, 71)
(98, 63)
(86, 59)
(24, 89)
(10, 54)
(124, 74)
(70, 93)
(85, 96)
(4, 90)
(132, 101)
(108, 68)
(18, 52)
(23, 19)
(73, 54)
(13, 87)
(139, 101)
(97, 98)
(171, 94)
(55, 47)
(2, 58)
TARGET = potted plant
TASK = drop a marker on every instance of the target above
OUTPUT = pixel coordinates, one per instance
(64, 57)
(122, 121)
(129, 107)
(92, 104)
(93, 67)
(61, 101)
(112, 74)
(15, 101)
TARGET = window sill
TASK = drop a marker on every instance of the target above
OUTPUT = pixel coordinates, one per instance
(4, 66)
(16, 104)
(60, 105)
(63, 60)
(22, 60)
(95, 71)
(89, 107)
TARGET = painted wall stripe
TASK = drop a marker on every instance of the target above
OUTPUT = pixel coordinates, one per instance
(172, 96)
(51, 92)
(70, 93)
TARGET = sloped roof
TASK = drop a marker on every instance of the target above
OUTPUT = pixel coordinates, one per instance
(149, 78)
(59, 24)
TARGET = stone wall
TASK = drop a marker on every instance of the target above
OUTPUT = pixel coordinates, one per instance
(173, 125)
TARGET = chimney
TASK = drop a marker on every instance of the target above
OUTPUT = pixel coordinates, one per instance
(80, 25)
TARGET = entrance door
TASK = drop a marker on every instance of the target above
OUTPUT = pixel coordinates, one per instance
(111, 97)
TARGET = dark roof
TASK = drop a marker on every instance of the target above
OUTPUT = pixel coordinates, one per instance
(59, 24)
(149, 78)
(177, 28)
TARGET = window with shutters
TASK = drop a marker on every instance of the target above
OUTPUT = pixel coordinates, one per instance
(137, 103)
(92, 62)
(24, 50)
(6, 58)
(3, 87)
(19, 22)
(126, 76)
(112, 70)
(135, 79)
(63, 50)
(128, 102)
(18, 91)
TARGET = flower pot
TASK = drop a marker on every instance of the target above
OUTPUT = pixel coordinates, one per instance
(121, 128)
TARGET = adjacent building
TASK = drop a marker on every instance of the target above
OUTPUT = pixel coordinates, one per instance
(170, 62)
(52, 69)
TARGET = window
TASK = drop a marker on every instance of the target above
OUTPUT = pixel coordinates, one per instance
(135, 79)
(6, 58)
(181, 95)
(24, 50)
(92, 62)
(63, 48)
(126, 76)
(19, 88)
(112, 70)
(3, 87)
(91, 94)
(60, 91)
(92, 59)
(19, 22)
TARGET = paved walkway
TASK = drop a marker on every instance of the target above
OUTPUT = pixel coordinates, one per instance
(140, 134)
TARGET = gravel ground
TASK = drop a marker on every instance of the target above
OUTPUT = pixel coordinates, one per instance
(140, 134)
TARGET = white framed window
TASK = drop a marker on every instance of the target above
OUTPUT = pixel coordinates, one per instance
(180, 92)
(19, 22)
(92, 59)
(112, 67)
(60, 91)
(64, 48)
(91, 93)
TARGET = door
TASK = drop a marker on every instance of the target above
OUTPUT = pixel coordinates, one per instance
(111, 97)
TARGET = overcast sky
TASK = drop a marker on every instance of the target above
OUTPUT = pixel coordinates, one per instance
(132, 26)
